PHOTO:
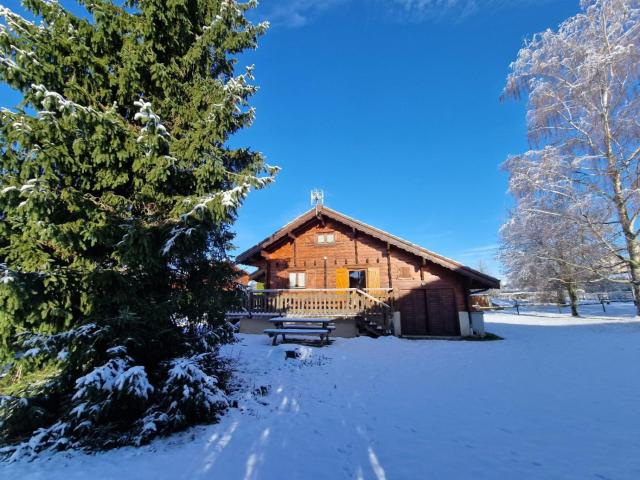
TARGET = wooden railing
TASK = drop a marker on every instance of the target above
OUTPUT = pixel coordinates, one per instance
(347, 302)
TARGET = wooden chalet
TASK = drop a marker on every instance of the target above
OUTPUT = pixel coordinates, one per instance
(324, 263)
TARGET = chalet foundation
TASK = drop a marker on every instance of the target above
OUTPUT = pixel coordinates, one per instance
(465, 324)
(254, 325)
(345, 327)
(477, 323)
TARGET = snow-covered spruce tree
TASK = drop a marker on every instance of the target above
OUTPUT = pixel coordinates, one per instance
(582, 83)
(117, 193)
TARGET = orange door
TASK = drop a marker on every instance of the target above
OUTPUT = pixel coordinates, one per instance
(342, 278)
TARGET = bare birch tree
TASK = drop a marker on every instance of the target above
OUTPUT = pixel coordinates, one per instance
(583, 114)
(549, 253)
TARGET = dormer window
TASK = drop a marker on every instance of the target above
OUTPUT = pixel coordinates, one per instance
(325, 238)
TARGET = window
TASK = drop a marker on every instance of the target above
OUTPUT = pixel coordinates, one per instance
(357, 279)
(324, 238)
(296, 279)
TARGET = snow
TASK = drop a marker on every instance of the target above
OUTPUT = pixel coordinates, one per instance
(29, 185)
(231, 198)
(558, 398)
(100, 378)
(174, 234)
(117, 350)
(32, 352)
(591, 311)
(134, 381)
(152, 123)
(42, 435)
(53, 101)
(6, 277)
(195, 382)
(228, 198)
(115, 375)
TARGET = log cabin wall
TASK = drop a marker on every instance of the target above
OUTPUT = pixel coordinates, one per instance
(409, 272)
(301, 252)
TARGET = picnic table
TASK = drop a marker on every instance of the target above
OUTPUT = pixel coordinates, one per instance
(300, 326)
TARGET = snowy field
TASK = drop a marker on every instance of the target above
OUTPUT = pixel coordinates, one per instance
(589, 310)
(557, 399)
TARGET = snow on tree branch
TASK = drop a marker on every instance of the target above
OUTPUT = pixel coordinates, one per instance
(187, 378)
(152, 122)
(54, 102)
(15, 22)
(7, 276)
(175, 234)
(228, 199)
(114, 376)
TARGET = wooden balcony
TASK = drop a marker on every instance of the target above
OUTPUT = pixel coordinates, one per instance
(350, 302)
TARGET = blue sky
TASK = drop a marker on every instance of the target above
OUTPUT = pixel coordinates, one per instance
(392, 107)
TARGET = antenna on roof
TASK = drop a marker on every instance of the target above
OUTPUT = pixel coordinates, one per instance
(317, 198)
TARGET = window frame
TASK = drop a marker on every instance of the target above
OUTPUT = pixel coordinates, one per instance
(362, 274)
(298, 275)
(325, 238)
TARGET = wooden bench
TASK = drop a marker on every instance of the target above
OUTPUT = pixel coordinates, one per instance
(300, 326)
(323, 333)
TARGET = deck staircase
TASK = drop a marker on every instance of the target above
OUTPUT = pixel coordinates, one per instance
(374, 326)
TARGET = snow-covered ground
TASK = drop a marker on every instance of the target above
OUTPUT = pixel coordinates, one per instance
(590, 310)
(557, 399)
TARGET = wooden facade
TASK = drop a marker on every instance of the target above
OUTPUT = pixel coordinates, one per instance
(324, 249)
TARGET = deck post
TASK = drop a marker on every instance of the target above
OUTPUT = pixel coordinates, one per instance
(295, 248)
(389, 265)
(355, 244)
(325, 272)
(268, 274)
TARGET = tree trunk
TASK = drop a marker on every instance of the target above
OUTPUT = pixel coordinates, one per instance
(636, 293)
(633, 249)
(573, 299)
